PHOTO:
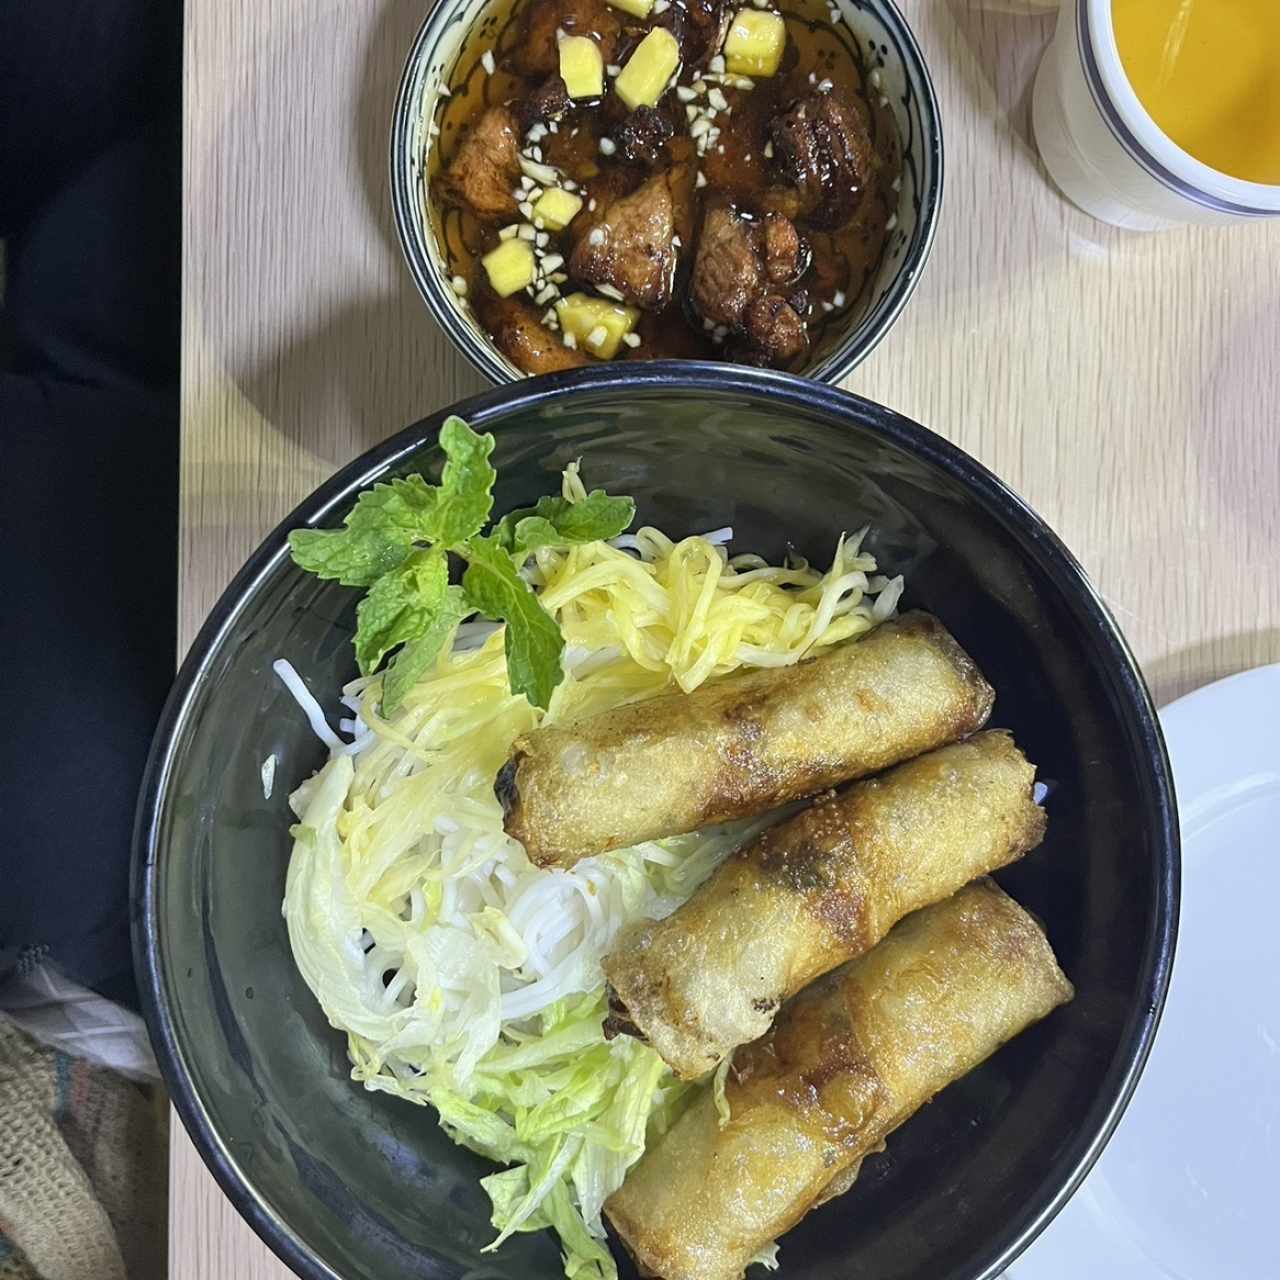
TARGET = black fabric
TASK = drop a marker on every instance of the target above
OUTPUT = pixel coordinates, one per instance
(76, 76)
(90, 213)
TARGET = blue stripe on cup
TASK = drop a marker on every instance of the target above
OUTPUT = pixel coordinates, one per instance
(1139, 153)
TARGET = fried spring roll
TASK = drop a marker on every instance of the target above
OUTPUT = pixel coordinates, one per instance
(817, 890)
(848, 1061)
(742, 745)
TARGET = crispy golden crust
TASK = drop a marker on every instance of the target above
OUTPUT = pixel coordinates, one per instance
(741, 745)
(849, 1060)
(817, 890)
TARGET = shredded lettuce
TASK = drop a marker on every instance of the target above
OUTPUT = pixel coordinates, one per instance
(568, 1110)
(464, 977)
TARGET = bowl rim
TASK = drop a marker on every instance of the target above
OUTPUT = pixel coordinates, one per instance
(783, 391)
(436, 292)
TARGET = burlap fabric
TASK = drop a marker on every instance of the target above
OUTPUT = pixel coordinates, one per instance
(82, 1169)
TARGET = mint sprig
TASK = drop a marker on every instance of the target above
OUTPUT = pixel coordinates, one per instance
(397, 541)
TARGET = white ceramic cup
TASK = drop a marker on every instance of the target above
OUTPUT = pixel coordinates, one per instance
(1105, 151)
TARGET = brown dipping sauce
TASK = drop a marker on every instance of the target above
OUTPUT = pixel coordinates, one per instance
(751, 179)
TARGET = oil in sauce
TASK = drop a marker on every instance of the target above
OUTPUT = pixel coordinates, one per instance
(1208, 73)
(739, 166)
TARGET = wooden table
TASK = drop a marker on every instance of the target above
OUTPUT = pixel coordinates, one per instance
(1126, 385)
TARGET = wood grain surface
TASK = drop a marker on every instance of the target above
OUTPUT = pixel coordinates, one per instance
(1125, 384)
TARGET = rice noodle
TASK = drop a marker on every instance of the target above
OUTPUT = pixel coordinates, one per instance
(306, 700)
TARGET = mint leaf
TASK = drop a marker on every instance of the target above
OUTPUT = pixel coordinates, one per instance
(400, 606)
(533, 641)
(403, 508)
(389, 520)
(418, 656)
(353, 559)
(557, 522)
(595, 518)
(378, 533)
(465, 496)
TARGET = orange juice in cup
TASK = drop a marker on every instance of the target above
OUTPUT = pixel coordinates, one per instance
(1208, 74)
(1150, 113)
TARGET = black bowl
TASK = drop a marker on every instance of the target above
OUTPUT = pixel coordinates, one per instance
(341, 1182)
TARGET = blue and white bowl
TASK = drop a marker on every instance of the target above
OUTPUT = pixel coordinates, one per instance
(885, 42)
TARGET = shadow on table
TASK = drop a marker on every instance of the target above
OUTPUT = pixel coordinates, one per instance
(1180, 673)
(336, 349)
(1006, 236)
(367, 370)
(1006, 42)
(384, 59)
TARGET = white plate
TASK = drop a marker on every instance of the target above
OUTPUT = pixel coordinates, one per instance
(1187, 1187)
